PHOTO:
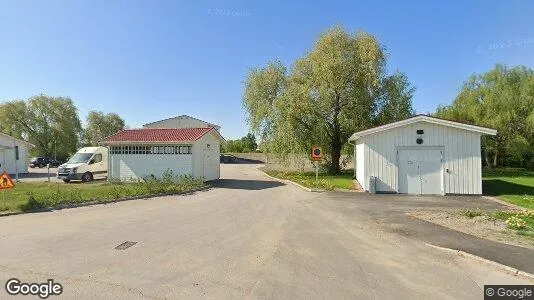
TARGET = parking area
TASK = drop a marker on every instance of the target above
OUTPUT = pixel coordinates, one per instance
(38, 175)
(249, 237)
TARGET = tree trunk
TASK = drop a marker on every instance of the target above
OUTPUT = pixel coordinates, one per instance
(495, 159)
(487, 159)
(336, 143)
(336, 155)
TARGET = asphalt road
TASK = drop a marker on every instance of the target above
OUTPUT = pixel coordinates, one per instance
(249, 237)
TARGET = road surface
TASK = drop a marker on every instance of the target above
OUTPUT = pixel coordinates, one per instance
(249, 237)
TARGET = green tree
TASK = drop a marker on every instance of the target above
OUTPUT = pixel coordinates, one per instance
(502, 99)
(100, 125)
(51, 123)
(243, 145)
(338, 88)
(249, 143)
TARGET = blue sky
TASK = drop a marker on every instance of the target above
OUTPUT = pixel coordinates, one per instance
(149, 60)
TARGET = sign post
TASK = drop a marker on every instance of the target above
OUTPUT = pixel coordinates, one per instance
(317, 156)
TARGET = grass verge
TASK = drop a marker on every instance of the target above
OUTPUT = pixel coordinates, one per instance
(33, 196)
(515, 186)
(325, 182)
(522, 222)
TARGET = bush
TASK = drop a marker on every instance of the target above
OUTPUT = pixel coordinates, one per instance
(471, 213)
(57, 195)
(515, 223)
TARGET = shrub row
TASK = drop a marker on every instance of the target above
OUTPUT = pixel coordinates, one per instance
(114, 190)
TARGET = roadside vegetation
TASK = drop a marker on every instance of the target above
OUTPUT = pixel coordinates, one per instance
(329, 182)
(33, 196)
(515, 186)
(522, 222)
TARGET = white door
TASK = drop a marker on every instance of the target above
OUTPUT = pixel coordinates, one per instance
(209, 165)
(420, 171)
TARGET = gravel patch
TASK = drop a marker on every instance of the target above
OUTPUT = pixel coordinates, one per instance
(481, 226)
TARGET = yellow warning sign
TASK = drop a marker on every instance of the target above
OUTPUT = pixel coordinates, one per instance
(6, 182)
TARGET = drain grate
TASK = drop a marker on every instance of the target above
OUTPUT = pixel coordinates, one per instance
(125, 245)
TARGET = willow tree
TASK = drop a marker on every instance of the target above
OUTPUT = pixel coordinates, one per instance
(503, 99)
(51, 123)
(338, 88)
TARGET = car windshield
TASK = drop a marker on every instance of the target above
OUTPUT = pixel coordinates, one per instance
(80, 158)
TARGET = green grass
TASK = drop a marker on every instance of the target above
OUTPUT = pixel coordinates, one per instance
(528, 231)
(28, 196)
(512, 185)
(471, 213)
(326, 182)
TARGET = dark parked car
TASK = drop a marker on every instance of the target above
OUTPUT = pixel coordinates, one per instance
(41, 162)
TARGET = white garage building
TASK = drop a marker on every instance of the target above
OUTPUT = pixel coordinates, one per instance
(182, 121)
(136, 153)
(14, 154)
(420, 155)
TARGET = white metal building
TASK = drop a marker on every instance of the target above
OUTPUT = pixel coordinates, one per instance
(136, 153)
(420, 155)
(14, 154)
(182, 121)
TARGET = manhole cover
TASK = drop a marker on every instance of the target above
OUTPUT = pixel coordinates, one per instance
(125, 245)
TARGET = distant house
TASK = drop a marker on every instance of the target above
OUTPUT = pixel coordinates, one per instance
(182, 121)
(14, 154)
(184, 145)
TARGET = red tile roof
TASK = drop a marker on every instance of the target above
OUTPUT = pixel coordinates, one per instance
(155, 135)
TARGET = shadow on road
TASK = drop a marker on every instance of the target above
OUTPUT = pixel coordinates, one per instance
(232, 159)
(240, 184)
(36, 174)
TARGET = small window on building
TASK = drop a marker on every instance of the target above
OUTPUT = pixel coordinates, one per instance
(420, 131)
(161, 150)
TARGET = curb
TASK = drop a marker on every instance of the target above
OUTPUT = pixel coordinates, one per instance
(89, 203)
(508, 269)
(291, 182)
(503, 202)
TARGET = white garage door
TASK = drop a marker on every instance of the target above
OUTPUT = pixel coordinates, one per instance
(420, 171)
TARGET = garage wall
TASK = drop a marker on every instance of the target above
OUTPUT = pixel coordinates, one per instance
(461, 156)
(7, 156)
(359, 162)
(206, 160)
(137, 166)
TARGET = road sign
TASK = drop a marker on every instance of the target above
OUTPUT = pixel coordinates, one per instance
(6, 182)
(317, 153)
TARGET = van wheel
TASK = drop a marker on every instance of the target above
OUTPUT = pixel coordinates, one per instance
(86, 177)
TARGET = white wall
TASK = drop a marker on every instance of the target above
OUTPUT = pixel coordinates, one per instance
(461, 156)
(179, 122)
(360, 162)
(213, 165)
(136, 166)
(7, 156)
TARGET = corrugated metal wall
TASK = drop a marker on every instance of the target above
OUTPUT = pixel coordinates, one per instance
(461, 156)
(7, 156)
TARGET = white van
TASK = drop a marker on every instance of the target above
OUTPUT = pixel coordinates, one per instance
(87, 164)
